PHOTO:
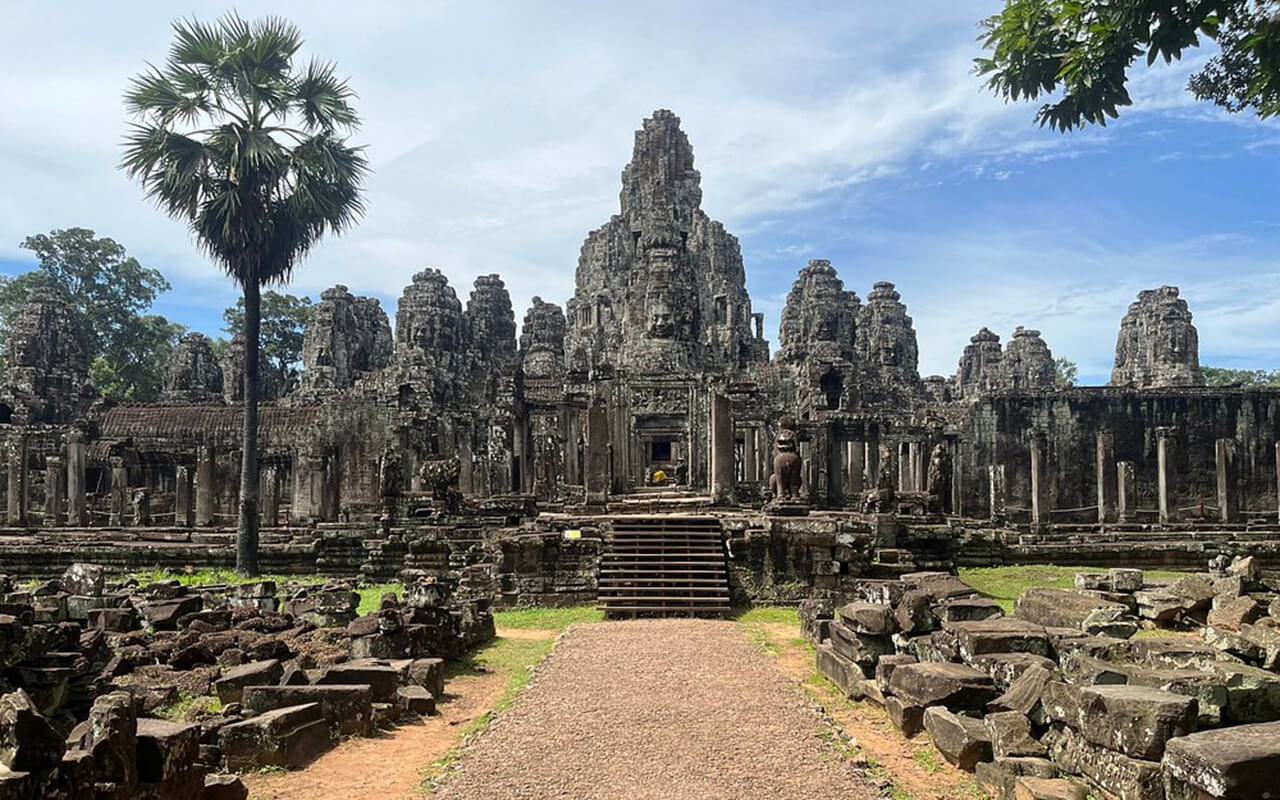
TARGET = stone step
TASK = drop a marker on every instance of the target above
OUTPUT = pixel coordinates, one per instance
(286, 737)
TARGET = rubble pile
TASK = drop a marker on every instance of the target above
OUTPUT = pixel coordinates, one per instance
(1061, 699)
(156, 691)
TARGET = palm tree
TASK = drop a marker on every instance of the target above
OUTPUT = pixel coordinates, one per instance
(253, 155)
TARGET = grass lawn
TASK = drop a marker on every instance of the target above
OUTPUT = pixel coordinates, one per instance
(1005, 584)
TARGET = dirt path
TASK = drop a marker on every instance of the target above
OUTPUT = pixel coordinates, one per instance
(390, 766)
(657, 709)
(914, 768)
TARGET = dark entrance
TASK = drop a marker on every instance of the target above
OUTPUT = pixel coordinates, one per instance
(660, 452)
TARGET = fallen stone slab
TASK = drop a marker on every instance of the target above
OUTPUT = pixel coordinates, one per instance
(1266, 640)
(168, 759)
(1003, 635)
(887, 664)
(860, 648)
(886, 592)
(1063, 608)
(938, 585)
(84, 579)
(287, 737)
(957, 686)
(1253, 694)
(963, 741)
(1232, 613)
(1010, 735)
(415, 700)
(907, 717)
(1086, 670)
(815, 617)
(1242, 761)
(1113, 774)
(914, 612)
(1047, 789)
(967, 609)
(1125, 579)
(839, 670)
(1025, 693)
(224, 787)
(872, 619)
(1134, 720)
(428, 673)
(230, 687)
(1006, 668)
(999, 776)
(381, 677)
(28, 743)
(1178, 652)
(347, 709)
(163, 615)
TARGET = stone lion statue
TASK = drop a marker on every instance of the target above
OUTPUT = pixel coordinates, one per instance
(786, 479)
(440, 477)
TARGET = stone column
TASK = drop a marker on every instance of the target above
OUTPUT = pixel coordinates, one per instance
(141, 507)
(18, 480)
(598, 454)
(871, 462)
(854, 470)
(722, 472)
(997, 491)
(119, 491)
(1126, 492)
(54, 489)
(1039, 482)
(750, 455)
(269, 482)
(904, 467)
(1105, 469)
(957, 477)
(1164, 474)
(77, 509)
(182, 496)
(206, 490)
(1226, 468)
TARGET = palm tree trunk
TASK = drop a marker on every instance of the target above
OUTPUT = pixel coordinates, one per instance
(247, 524)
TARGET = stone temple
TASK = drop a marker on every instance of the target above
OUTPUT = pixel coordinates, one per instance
(452, 436)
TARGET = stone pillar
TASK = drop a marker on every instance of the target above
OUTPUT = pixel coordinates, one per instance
(54, 489)
(269, 482)
(871, 462)
(1227, 473)
(957, 477)
(904, 467)
(1039, 482)
(140, 504)
(598, 453)
(77, 508)
(914, 473)
(206, 491)
(182, 509)
(18, 481)
(119, 492)
(722, 477)
(1126, 492)
(750, 455)
(1105, 469)
(854, 470)
(1164, 475)
(998, 492)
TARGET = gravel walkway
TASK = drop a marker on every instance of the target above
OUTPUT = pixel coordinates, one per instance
(657, 709)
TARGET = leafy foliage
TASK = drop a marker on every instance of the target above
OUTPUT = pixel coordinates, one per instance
(284, 322)
(1065, 372)
(1085, 49)
(109, 293)
(251, 152)
(1221, 376)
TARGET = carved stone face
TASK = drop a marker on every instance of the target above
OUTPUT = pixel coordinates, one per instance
(662, 323)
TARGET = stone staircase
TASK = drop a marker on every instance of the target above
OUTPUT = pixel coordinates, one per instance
(660, 500)
(664, 566)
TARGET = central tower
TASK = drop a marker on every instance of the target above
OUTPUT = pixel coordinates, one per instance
(660, 288)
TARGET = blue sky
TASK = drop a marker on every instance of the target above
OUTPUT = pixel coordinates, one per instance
(822, 130)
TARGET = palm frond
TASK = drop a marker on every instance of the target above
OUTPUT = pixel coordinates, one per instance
(322, 99)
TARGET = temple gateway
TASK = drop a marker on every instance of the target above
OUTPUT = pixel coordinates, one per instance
(648, 403)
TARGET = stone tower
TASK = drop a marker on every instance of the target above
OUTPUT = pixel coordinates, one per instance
(193, 374)
(542, 340)
(1158, 346)
(979, 369)
(48, 364)
(1027, 362)
(346, 337)
(660, 287)
(886, 343)
(820, 319)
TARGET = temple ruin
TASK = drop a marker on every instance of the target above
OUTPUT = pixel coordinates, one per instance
(442, 437)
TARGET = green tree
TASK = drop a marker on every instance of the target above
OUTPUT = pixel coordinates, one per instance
(251, 151)
(1065, 373)
(1086, 48)
(109, 293)
(1222, 376)
(284, 322)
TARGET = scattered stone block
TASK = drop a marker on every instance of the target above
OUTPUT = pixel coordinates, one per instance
(347, 709)
(860, 648)
(872, 619)
(815, 617)
(1232, 613)
(1253, 694)
(1133, 720)
(1245, 567)
(876, 590)
(28, 743)
(1047, 789)
(963, 741)
(1010, 735)
(379, 676)
(428, 673)
(957, 686)
(168, 759)
(163, 614)
(886, 665)
(914, 612)
(1006, 668)
(999, 776)
(84, 579)
(1004, 635)
(906, 717)
(1113, 774)
(1063, 608)
(1125, 580)
(224, 787)
(286, 737)
(1238, 762)
(1024, 694)
(415, 700)
(967, 609)
(871, 691)
(230, 687)
(839, 670)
